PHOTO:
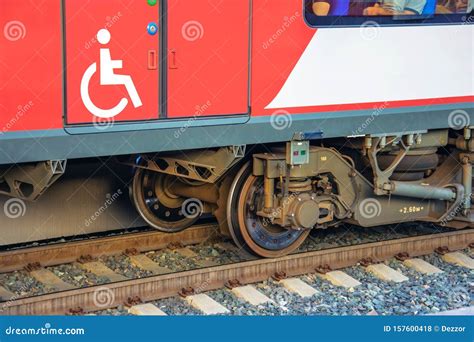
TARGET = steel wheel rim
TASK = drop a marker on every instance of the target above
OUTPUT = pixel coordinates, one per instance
(240, 218)
(146, 198)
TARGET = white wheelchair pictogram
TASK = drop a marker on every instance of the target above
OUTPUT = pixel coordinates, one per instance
(108, 77)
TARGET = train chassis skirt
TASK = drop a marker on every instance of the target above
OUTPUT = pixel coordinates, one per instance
(250, 231)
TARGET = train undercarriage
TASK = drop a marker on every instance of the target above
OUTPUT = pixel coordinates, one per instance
(269, 202)
(269, 198)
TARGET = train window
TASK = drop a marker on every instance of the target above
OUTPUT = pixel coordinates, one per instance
(327, 13)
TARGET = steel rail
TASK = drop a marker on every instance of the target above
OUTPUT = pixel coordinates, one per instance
(164, 286)
(56, 254)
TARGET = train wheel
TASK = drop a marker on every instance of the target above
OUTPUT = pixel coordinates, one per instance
(157, 205)
(250, 231)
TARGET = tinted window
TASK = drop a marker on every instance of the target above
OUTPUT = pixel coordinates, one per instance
(321, 13)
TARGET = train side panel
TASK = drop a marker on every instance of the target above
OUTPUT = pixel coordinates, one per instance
(30, 66)
(336, 69)
(133, 50)
(317, 75)
(208, 58)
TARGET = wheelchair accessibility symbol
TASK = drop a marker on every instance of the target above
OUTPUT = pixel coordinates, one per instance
(108, 77)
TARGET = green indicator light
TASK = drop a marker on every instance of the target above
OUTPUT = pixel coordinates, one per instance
(152, 2)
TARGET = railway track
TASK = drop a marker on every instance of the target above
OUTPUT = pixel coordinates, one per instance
(61, 253)
(205, 276)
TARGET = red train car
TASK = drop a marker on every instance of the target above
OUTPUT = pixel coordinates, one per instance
(277, 117)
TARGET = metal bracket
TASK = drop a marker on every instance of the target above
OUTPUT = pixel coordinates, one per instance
(203, 166)
(308, 135)
(239, 150)
(30, 181)
(58, 167)
(382, 177)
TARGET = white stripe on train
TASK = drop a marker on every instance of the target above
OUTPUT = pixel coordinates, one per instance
(348, 65)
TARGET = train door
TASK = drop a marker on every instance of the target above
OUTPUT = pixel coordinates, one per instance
(111, 61)
(208, 57)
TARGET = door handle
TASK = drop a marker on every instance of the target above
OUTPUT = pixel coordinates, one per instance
(152, 60)
(173, 61)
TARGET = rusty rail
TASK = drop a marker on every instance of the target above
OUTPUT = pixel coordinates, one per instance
(50, 255)
(164, 286)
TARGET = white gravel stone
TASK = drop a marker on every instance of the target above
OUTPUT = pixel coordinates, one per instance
(186, 252)
(459, 259)
(146, 310)
(51, 280)
(340, 278)
(299, 287)
(5, 294)
(145, 263)
(386, 273)
(251, 295)
(422, 266)
(101, 270)
(458, 312)
(206, 304)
